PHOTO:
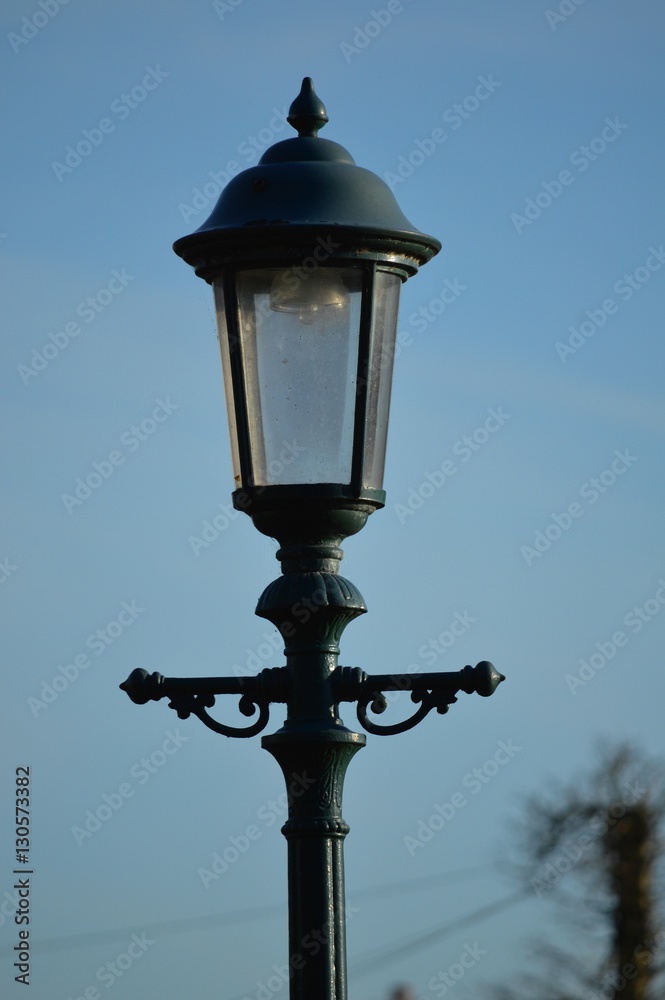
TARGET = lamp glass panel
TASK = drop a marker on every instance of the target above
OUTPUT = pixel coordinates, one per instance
(299, 336)
(228, 383)
(380, 376)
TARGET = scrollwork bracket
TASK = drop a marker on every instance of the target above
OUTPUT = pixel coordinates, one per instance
(431, 690)
(193, 696)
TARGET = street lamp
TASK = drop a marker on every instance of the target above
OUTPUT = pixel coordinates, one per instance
(306, 253)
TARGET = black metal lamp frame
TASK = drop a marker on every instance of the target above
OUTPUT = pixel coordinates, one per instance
(368, 270)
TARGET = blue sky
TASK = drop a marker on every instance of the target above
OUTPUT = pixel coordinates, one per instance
(530, 142)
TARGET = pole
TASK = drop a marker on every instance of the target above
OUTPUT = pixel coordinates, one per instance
(311, 605)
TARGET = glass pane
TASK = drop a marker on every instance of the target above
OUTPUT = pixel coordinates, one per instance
(299, 334)
(384, 330)
(226, 372)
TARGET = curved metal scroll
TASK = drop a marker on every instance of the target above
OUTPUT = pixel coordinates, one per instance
(433, 691)
(192, 696)
(428, 700)
(196, 704)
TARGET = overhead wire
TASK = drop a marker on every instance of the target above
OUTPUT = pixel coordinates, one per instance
(378, 958)
(248, 914)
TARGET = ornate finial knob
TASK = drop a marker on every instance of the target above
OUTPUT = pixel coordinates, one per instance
(307, 114)
(143, 687)
(485, 678)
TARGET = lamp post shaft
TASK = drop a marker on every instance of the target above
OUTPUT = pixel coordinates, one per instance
(311, 604)
(314, 771)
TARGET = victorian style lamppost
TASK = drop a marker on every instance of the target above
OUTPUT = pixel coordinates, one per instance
(306, 253)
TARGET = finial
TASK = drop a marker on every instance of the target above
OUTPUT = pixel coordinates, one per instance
(307, 114)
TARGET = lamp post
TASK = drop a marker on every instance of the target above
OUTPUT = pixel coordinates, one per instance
(306, 253)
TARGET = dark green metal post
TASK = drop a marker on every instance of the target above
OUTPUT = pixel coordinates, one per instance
(315, 832)
(311, 605)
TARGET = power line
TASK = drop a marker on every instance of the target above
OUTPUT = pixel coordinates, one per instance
(424, 882)
(383, 957)
(184, 924)
(372, 960)
(90, 938)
